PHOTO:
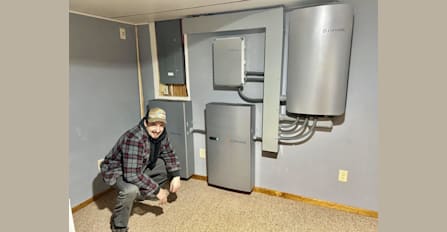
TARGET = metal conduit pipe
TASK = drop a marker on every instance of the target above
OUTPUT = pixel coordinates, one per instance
(253, 79)
(289, 128)
(324, 124)
(286, 122)
(248, 99)
(283, 99)
(289, 122)
(298, 141)
(283, 117)
(311, 126)
(320, 123)
(296, 133)
(307, 130)
(252, 73)
(300, 138)
(292, 128)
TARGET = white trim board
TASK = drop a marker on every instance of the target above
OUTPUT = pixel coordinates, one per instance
(100, 17)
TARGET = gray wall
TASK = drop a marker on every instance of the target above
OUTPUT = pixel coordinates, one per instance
(103, 97)
(309, 169)
(105, 83)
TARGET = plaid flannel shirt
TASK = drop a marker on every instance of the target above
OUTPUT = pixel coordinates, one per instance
(130, 156)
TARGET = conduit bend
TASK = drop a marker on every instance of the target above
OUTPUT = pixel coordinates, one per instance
(299, 139)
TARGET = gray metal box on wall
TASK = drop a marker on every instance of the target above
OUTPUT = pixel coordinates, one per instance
(228, 62)
(170, 55)
(230, 146)
(179, 122)
(318, 63)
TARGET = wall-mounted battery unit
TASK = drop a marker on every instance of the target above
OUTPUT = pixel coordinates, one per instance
(318, 59)
(228, 62)
(179, 123)
(229, 145)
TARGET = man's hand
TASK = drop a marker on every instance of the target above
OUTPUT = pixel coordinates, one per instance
(163, 196)
(175, 184)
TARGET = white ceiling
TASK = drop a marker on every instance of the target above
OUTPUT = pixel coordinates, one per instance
(144, 11)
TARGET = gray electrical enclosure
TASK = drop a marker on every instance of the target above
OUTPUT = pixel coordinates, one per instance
(179, 123)
(171, 60)
(228, 62)
(230, 146)
(318, 62)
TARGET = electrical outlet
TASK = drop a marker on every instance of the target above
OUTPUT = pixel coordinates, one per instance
(122, 33)
(202, 153)
(343, 175)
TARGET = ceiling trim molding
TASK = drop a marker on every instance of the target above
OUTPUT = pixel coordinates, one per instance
(100, 17)
(180, 9)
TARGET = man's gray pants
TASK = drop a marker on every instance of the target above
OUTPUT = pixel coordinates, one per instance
(127, 193)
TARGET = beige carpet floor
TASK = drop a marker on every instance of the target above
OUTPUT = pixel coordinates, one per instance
(199, 207)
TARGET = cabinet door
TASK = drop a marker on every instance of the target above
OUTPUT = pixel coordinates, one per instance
(170, 52)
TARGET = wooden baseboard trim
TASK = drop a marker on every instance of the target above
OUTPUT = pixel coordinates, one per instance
(326, 204)
(90, 200)
(198, 177)
(322, 203)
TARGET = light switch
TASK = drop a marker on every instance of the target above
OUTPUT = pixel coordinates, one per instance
(202, 153)
(122, 33)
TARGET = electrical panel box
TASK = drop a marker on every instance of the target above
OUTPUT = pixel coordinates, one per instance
(178, 126)
(230, 145)
(319, 55)
(228, 62)
(171, 62)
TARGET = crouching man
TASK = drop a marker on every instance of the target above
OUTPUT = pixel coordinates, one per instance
(141, 164)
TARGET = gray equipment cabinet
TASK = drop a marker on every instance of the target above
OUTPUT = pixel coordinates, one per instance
(230, 146)
(179, 122)
(228, 62)
(171, 60)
